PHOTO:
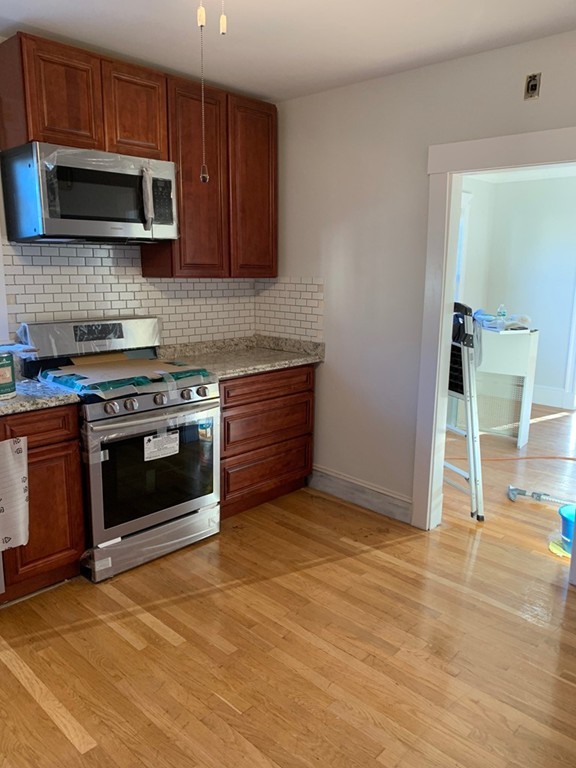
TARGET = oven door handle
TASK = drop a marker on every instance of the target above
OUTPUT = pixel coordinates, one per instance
(144, 420)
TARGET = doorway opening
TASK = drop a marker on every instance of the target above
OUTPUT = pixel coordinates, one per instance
(448, 165)
(515, 254)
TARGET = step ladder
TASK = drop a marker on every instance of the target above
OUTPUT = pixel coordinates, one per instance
(462, 388)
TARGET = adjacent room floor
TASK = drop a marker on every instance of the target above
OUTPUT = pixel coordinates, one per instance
(547, 463)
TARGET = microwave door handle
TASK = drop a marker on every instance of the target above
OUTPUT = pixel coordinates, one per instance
(147, 198)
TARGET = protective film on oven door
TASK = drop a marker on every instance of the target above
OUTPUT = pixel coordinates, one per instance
(143, 474)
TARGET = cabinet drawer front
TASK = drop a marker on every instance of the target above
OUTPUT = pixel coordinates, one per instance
(262, 470)
(254, 426)
(50, 425)
(265, 386)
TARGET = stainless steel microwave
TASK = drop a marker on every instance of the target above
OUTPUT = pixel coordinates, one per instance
(62, 194)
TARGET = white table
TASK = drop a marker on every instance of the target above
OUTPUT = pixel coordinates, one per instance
(508, 354)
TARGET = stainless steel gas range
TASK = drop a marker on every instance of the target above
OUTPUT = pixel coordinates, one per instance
(150, 435)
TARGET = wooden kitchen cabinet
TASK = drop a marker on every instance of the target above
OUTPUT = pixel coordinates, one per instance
(61, 94)
(202, 249)
(55, 93)
(252, 143)
(228, 227)
(266, 436)
(56, 539)
(135, 111)
(50, 92)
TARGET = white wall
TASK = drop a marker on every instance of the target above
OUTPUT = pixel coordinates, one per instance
(353, 196)
(478, 244)
(533, 271)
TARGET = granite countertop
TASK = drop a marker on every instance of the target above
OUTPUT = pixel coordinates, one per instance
(240, 357)
(35, 395)
(227, 365)
(227, 359)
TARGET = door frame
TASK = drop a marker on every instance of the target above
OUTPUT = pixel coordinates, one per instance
(446, 163)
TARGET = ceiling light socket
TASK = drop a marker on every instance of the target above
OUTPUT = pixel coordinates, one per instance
(532, 86)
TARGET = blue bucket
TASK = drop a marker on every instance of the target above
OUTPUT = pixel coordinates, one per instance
(568, 515)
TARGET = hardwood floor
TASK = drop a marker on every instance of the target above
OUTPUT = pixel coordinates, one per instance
(546, 464)
(309, 633)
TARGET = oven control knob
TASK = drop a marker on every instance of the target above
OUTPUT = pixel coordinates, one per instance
(131, 404)
(202, 391)
(186, 394)
(160, 399)
(111, 408)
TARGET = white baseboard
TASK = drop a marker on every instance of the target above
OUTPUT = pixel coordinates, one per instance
(354, 491)
(553, 397)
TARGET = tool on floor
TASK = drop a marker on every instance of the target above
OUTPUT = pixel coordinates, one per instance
(462, 387)
(514, 492)
(567, 512)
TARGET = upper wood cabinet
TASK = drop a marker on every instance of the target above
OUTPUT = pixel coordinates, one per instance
(134, 110)
(252, 142)
(202, 249)
(60, 94)
(228, 227)
(50, 92)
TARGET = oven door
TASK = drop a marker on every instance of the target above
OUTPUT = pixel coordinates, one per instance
(150, 468)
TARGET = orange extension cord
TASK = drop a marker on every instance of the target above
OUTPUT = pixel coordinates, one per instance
(516, 458)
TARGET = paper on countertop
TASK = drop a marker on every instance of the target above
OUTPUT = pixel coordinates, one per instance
(13, 493)
(97, 372)
(101, 358)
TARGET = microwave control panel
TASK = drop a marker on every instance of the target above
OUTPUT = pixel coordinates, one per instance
(163, 201)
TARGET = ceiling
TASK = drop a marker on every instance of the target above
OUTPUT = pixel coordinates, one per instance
(279, 50)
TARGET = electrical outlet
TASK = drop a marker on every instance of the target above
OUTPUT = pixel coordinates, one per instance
(532, 87)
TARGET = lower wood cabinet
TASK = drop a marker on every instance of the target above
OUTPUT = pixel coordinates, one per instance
(267, 425)
(56, 539)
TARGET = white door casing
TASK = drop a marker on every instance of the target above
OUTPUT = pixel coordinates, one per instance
(445, 162)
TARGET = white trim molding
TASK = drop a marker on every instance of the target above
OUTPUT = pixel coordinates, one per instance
(523, 149)
(364, 495)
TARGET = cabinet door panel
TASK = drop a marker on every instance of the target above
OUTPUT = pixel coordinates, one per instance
(64, 94)
(56, 521)
(135, 110)
(252, 139)
(202, 250)
(248, 427)
(14, 128)
(263, 470)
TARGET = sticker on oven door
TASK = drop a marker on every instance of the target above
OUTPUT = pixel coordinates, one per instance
(160, 446)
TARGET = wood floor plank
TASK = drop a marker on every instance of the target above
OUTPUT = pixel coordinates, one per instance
(45, 699)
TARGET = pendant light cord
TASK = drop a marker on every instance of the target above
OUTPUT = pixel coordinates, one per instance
(223, 29)
(204, 168)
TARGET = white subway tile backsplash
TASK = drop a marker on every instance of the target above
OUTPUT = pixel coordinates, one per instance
(290, 308)
(50, 282)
